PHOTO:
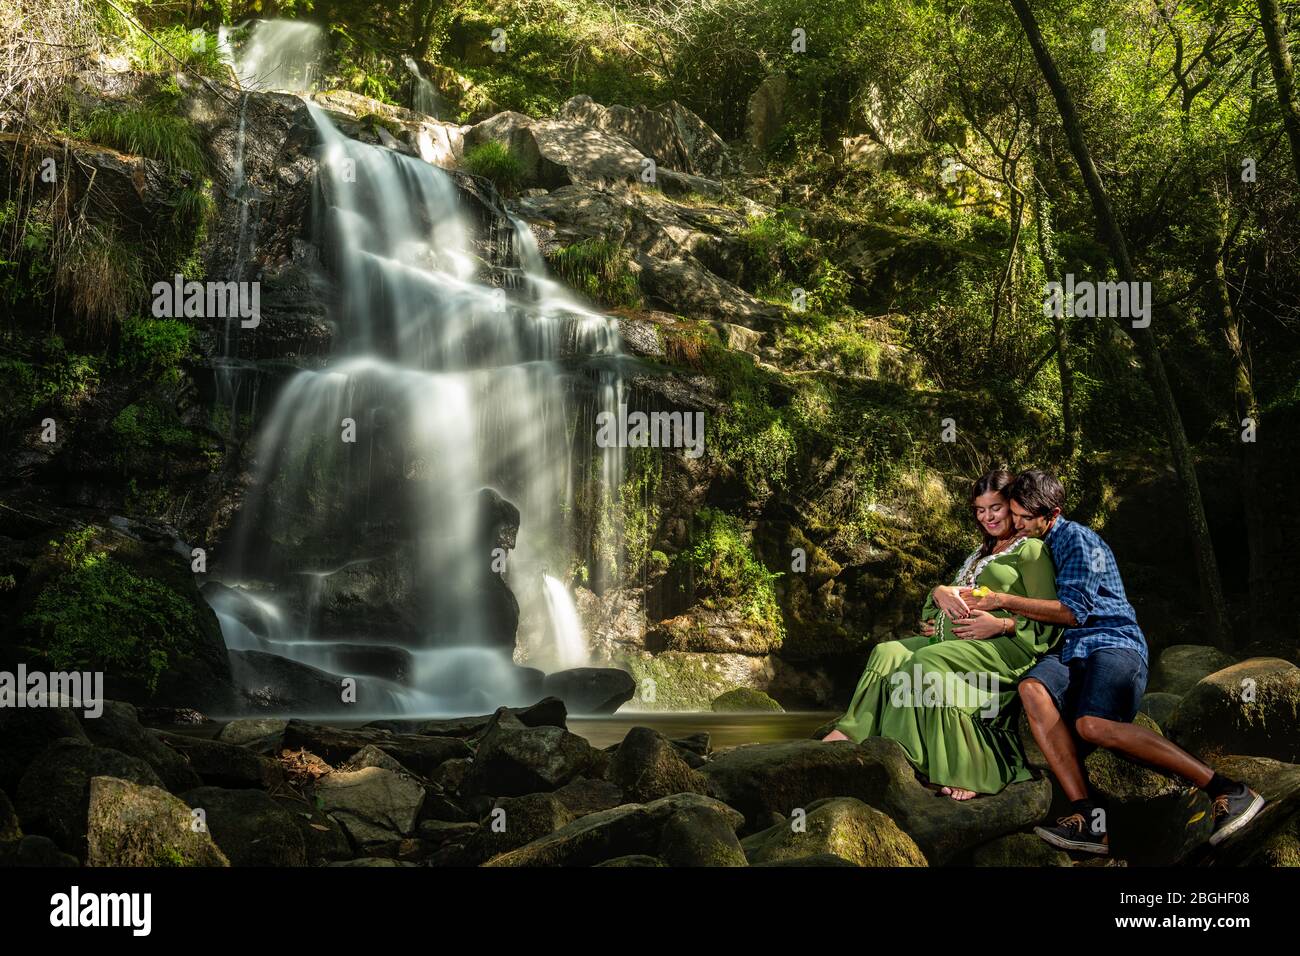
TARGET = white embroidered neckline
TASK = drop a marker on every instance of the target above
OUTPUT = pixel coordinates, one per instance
(972, 568)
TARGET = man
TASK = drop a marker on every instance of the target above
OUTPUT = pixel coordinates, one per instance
(1097, 674)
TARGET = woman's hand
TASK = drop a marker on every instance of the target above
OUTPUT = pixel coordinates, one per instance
(926, 629)
(989, 602)
(979, 626)
(949, 601)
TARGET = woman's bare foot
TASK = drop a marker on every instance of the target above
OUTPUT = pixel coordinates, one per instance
(835, 735)
(957, 793)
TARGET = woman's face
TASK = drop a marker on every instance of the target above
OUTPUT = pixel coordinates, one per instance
(993, 515)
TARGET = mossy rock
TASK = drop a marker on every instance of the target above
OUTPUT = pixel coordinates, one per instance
(680, 680)
(1159, 706)
(744, 700)
(1180, 666)
(132, 825)
(1119, 780)
(1019, 849)
(1248, 708)
(842, 826)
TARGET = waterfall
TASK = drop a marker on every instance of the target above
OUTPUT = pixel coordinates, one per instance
(569, 645)
(273, 54)
(457, 385)
(424, 98)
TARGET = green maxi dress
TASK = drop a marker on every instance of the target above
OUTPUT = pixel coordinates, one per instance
(934, 695)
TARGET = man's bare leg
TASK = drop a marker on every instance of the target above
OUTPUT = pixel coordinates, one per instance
(1053, 738)
(1144, 745)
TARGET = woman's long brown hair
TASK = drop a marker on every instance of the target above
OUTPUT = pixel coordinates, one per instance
(996, 480)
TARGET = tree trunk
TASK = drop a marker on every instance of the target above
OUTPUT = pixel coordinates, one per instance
(1245, 407)
(1060, 329)
(1216, 611)
(1279, 56)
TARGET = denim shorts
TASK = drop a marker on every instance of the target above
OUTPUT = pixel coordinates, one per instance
(1108, 683)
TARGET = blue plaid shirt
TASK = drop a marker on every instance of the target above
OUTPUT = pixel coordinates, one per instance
(1088, 583)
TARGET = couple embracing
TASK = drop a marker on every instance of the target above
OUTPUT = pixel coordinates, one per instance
(1037, 614)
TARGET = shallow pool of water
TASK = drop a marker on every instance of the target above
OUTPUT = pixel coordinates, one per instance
(725, 730)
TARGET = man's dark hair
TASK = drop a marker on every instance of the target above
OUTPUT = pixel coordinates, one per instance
(1037, 492)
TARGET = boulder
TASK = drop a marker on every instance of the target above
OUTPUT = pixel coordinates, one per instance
(701, 836)
(1180, 666)
(372, 756)
(1159, 706)
(591, 690)
(646, 767)
(250, 730)
(768, 111)
(129, 824)
(817, 859)
(844, 827)
(373, 805)
(1019, 849)
(273, 683)
(634, 859)
(684, 286)
(421, 754)
(1151, 818)
(324, 840)
(220, 764)
(516, 821)
(54, 794)
(34, 851)
(769, 781)
(547, 712)
(744, 700)
(632, 828)
(26, 732)
(250, 827)
(1248, 708)
(119, 728)
(513, 759)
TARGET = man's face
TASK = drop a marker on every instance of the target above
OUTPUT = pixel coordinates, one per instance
(1035, 526)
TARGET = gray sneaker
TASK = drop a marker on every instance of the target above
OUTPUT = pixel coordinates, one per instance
(1072, 833)
(1233, 810)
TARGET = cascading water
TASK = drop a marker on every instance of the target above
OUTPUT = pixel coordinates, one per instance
(273, 54)
(370, 542)
(424, 98)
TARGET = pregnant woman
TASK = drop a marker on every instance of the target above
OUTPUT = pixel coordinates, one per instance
(948, 695)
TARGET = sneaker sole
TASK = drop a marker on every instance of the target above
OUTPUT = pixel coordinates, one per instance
(1242, 819)
(1059, 841)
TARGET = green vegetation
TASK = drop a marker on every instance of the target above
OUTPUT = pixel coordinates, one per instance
(726, 570)
(155, 346)
(599, 269)
(497, 163)
(99, 614)
(145, 131)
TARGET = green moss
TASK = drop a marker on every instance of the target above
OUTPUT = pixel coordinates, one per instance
(98, 614)
(640, 512)
(155, 346)
(744, 699)
(375, 120)
(497, 163)
(598, 268)
(725, 569)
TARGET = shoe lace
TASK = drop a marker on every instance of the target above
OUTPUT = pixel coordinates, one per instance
(1220, 806)
(1074, 821)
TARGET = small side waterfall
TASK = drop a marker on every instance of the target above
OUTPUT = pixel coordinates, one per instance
(391, 484)
(424, 98)
(273, 54)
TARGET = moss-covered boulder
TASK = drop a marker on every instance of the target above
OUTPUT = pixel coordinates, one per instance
(843, 826)
(1248, 708)
(1180, 666)
(10, 828)
(769, 781)
(513, 759)
(1019, 849)
(1159, 706)
(119, 727)
(54, 793)
(701, 836)
(744, 700)
(250, 827)
(647, 766)
(1279, 784)
(632, 828)
(129, 824)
